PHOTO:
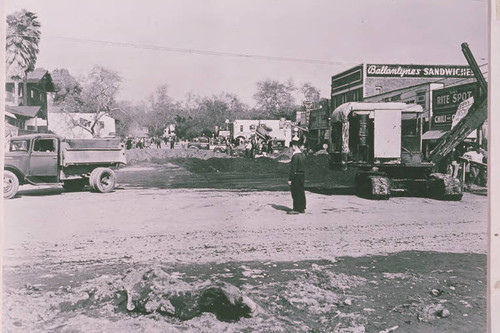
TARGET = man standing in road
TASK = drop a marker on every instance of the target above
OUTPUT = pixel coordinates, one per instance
(297, 178)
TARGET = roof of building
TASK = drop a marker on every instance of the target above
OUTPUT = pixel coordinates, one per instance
(37, 75)
(24, 111)
(340, 113)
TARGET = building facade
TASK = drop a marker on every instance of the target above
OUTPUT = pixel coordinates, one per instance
(244, 129)
(369, 80)
(421, 94)
(30, 107)
(78, 125)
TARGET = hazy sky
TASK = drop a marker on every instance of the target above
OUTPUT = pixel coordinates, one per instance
(340, 33)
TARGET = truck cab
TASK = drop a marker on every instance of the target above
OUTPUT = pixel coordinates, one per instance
(34, 158)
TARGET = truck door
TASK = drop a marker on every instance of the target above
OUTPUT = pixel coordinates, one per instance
(387, 134)
(44, 158)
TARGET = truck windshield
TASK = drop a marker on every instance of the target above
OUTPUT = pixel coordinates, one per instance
(19, 145)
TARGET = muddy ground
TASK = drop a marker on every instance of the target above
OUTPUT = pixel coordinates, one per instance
(205, 244)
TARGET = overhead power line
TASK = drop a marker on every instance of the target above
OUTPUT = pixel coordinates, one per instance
(205, 52)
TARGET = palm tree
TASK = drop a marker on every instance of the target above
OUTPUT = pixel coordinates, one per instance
(23, 36)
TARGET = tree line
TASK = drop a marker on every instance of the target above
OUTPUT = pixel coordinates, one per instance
(97, 91)
(193, 116)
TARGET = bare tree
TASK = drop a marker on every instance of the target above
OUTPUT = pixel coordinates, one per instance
(274, 98)
(311, 93)
(98, 94)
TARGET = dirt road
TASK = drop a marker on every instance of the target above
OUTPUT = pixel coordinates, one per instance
(211, 225)
(145, 259)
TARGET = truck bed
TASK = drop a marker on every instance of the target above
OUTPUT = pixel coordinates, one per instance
(92, 151)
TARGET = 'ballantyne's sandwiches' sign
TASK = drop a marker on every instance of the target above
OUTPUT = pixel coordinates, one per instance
(418, 71)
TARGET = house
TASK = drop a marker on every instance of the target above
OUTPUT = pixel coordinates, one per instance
(281, 130)
(25, 119)
(28, 112)
(169, 131)
(79, 125)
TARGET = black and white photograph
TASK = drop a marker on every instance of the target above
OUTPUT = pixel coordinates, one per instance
(247, 166)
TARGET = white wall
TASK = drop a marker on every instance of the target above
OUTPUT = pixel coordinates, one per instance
(63, 125)
(278, 133)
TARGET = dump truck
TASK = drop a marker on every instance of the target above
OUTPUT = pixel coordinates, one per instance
(384, 142)
(43, 159)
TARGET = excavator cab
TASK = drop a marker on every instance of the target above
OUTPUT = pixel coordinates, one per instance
(374, 134)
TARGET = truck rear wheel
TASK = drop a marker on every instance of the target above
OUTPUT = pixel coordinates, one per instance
(102, 180)
(74, 184)
(10, 184)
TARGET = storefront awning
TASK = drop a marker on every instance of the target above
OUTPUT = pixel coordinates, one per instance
(433, 134)
(23, 111)
(438, 134)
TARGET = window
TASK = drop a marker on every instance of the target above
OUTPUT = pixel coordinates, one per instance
(409, 124)
(19, 145)
(378, 90)
(241, 128)
(421, 98)
(252, 127)
(84, 122)
(410, 132)
(45, 145)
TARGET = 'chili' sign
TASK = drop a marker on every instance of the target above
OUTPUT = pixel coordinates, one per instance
(446, 101)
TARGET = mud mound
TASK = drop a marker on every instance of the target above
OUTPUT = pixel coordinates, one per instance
(263, 165)
(135, 156)
(209, 169)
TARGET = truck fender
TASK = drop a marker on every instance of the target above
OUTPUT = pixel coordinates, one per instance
(19, 174)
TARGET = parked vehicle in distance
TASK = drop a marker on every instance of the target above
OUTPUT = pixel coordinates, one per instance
(199, 143)
(277, 145)
(217, 146)
(41, 159)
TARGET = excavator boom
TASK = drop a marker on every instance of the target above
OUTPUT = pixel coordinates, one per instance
(475, 117)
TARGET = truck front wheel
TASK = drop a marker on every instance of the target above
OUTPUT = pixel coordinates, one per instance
(10, 184)
(102, 180)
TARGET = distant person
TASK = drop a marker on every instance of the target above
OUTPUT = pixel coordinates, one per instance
(472, 170)
(296, 179)
(248, 149)
(172, 143)
(270, 147)
(229, 148)
(128, 144)
(158, 142)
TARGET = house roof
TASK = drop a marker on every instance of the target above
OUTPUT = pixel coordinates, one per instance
(37, 75)
(24, 111)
